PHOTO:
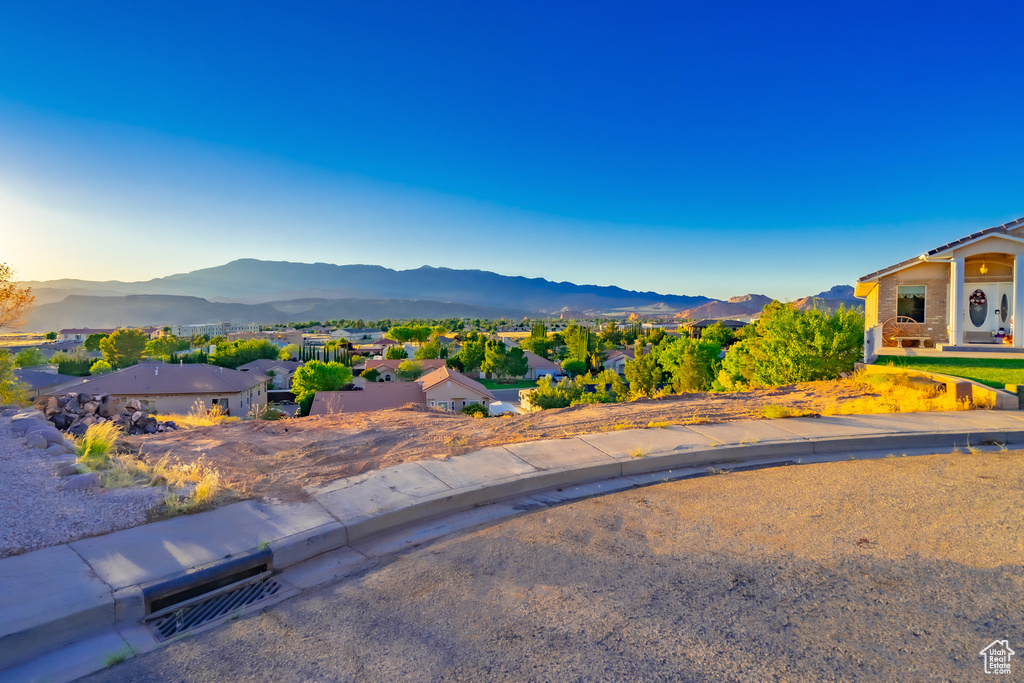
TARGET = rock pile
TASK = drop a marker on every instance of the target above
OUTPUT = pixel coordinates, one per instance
(75, 413)
(39, 433)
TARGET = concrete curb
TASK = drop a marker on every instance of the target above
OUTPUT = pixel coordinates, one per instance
(111, 568)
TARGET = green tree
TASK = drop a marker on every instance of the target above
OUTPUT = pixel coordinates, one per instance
(718, 334)
(801, 346)
(471, 355)
(643, 374)
(166, 346)
(516, 363)
(579, 342)
(233, 354)
(370, 375)
(430, 350)
(691, 363)
(494, 358)
(92, 342)
(50, 336)
(611, 334)
(100, 367)
(395, 353)
(288, 352)
(124, 347)
(29, 358)
(409, 370)
(11, 390)
(574, 367)
(316, 376)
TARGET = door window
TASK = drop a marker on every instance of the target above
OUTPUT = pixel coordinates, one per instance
(1004, 309)
(978, 307)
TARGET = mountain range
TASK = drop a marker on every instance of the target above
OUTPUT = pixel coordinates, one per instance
(249, 290)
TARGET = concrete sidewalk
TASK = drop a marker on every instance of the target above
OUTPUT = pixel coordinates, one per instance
(93, 588)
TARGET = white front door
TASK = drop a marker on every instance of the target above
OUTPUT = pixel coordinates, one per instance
(988, 307)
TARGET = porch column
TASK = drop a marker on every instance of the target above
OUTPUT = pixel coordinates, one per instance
(956, 301)
(1018, 301)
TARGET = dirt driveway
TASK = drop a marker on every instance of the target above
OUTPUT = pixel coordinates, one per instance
(278, 460)
(894, 569)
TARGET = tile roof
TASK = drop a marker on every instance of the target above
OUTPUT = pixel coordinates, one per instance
(374, 396)
(37, 379)
(264, 364)
(432, 379)
(539, 362)
(996, 230)
(392, 364)
(196, 378)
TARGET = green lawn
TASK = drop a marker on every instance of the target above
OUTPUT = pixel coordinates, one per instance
(521, 384)
(993, 372)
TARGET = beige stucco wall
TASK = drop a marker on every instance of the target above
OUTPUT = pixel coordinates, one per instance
(238, 404)
(449, 391)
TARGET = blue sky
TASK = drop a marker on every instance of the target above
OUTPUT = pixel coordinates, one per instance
(687, 148)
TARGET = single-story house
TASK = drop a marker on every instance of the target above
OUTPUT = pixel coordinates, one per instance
(40, 382)
(697, 327)
(616, 360)
(448, 389)
(966, 292)
(443, 389)
(540, 366)
(80, 334)
(373, 396)
(280, 338)
(283, 371)
(164, 388)
(357, 334)
(388, 369)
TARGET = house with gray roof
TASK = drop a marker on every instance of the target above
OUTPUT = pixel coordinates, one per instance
(278, 372)
(39, 382)
(967, 295)
(165, 388)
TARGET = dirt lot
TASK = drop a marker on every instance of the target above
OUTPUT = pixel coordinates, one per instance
(278, 460)
(896, 569)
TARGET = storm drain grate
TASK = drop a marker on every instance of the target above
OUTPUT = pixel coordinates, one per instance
(202, 612)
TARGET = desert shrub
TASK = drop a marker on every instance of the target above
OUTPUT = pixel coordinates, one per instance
(476, 410)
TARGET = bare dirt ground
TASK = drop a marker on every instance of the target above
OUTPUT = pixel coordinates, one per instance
(278, 460)
(893, 570)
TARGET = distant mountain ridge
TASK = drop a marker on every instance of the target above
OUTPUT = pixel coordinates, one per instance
(270, 292)
(252, 281)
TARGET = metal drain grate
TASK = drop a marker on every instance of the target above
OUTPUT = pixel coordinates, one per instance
(204, 611)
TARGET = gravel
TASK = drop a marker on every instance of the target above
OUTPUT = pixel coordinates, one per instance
(36, 512)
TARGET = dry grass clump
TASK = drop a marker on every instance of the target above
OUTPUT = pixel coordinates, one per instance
(775, 411)
(201, 416)
(191, 486)
(93, 446)
(896, 393)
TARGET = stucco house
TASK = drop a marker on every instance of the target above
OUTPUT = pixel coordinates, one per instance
(164, 388)
(442, 389)
(388, 369)
(616, 360)
(538, 366)
(447, 389)
(357, 334)
(965, 295)
(283, 371)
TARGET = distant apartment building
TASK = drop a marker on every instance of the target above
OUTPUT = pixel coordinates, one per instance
(80, 334)
(358, 334)
(213, 329)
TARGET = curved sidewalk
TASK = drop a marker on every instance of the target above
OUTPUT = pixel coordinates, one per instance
(66, 593)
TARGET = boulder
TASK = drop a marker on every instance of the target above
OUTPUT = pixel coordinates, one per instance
(90, 407)
(147, 424)
(22, 421)
(8, 412)
(109, 407)
(67, 470)
(47, 431)
(77, 429)
(62, 460)
(47, 405)
(138, 415)
(133, 405)
(90, 420)
(55, 451)
(84, 398)
(82, 482)
(35, 441)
